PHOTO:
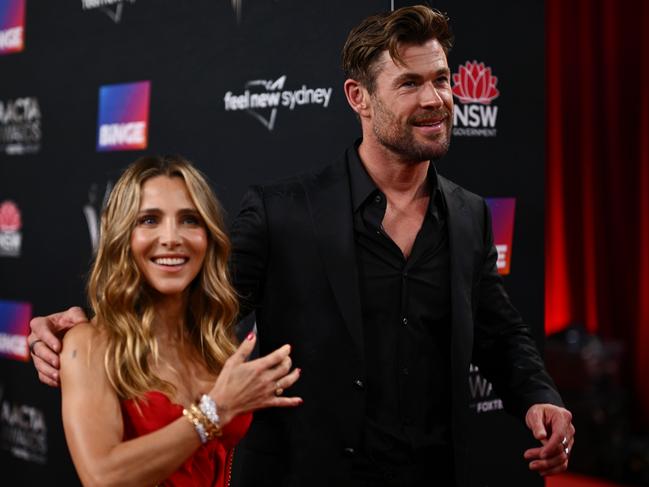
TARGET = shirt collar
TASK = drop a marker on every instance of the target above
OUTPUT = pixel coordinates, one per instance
(362, 186)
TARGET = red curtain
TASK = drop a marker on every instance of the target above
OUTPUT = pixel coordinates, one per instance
(597, 214)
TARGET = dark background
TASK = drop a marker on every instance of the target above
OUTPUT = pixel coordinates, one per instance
(195, 52)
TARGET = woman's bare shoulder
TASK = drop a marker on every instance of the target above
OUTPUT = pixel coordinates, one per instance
(85, 339)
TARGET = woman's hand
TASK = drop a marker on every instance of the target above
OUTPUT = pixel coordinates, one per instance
(246, 386)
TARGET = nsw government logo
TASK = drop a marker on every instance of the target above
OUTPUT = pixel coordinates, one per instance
(10, 224)
(475, 88)
(12, 26)
(123, 116)
(263, 98)
(20, 126)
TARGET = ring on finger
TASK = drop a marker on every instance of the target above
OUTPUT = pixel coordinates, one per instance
(32, 344)
(564, 442)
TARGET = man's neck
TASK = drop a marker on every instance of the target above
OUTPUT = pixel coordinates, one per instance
(394, 176)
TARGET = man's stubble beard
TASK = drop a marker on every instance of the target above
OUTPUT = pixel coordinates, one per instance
(401, 140)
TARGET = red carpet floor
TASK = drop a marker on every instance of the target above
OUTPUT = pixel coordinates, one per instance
(572, 480)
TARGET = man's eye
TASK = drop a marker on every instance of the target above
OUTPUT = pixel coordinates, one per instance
(408, 84)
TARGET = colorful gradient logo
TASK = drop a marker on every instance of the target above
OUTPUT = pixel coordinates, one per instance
(12, 26)
(14, 328)
(123, 116)
(502, 215)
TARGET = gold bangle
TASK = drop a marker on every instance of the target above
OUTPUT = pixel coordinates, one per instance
(198, 426)
(211, 430)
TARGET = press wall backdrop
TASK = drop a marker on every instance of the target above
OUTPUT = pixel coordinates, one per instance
(250, 90)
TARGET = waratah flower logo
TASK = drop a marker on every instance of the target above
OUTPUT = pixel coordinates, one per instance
(9, 217)
(474, 83)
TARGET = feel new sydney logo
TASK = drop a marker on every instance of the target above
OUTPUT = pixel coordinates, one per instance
(263, 98)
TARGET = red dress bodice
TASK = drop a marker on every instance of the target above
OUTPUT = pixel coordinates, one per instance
(209, 465)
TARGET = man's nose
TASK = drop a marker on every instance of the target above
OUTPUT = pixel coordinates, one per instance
(430, 96)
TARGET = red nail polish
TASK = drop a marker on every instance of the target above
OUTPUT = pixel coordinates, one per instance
(250, 336)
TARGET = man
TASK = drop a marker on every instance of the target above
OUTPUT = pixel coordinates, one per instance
(382, 276)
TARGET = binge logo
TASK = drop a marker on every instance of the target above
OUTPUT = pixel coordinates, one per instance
(123, 116)
(12, 26)
(475, 88)
(502, 215)
(10, 224)
(14, 328)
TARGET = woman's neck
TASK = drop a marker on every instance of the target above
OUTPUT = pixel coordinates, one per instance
(170, 316)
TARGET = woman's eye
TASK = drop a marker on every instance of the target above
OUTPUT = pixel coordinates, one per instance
(191, 220)
(147, 220)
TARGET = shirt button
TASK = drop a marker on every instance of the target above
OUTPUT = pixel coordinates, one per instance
(349, 452)
(404, 320)
(378, 198)
(404, 371)
(359, 384)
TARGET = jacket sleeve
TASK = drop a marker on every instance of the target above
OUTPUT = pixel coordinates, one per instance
(249, 259)
(504, 348)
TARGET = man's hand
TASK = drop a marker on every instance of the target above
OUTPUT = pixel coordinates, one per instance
(552, 426)
(45, 341)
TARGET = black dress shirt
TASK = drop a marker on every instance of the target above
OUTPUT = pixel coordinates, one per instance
(407, 326)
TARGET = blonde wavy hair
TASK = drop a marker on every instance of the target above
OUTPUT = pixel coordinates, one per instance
(122, 300)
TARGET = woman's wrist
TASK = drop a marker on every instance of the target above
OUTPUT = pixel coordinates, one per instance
(223, 410)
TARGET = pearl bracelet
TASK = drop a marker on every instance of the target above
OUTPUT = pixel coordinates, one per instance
(208, 408)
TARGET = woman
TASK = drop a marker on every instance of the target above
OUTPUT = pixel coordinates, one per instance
(154, 390)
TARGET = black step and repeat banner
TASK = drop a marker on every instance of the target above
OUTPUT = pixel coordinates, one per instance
(250, 90)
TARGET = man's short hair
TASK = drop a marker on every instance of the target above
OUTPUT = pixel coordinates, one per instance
(375, 34)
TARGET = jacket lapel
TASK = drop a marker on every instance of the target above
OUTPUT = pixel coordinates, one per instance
(329, 197)
(460, 241)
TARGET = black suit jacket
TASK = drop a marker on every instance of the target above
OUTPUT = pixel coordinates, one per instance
(294, 264)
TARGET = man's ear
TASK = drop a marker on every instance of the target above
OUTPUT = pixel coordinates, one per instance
(357, 97)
